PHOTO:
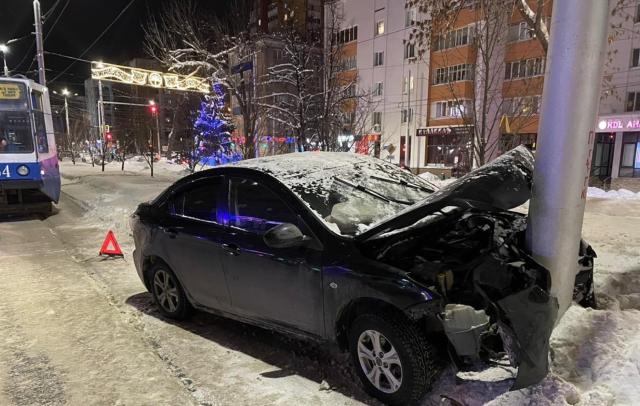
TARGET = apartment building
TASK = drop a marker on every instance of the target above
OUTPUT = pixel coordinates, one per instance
(267, 19)
(616, 155)
(374, 38)
(485, 88)
(268, 16)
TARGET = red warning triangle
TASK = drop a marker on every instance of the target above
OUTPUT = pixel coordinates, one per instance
(110, 246)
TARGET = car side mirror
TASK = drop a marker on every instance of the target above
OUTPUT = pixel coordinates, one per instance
(285, 235)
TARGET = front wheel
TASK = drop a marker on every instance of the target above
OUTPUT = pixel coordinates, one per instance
(168, 293)
(392, 358)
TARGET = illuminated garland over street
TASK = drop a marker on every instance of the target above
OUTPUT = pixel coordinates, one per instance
(143, 77)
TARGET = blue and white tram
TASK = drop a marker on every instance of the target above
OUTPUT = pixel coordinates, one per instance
(29, 171)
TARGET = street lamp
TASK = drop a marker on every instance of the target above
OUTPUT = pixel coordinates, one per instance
(66, 94)
(4, 49)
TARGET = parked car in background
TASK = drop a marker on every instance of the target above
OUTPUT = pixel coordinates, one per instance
(352, 249)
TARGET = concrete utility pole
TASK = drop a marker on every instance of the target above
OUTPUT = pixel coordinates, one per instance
(66, 93)
(407, 148)
(4, 49)
(101, 121)
(39, 46)
(563, 158)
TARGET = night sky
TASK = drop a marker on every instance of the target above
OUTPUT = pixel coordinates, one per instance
(79, 24)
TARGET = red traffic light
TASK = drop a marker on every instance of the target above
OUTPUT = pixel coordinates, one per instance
(153, 109)
(108, 136)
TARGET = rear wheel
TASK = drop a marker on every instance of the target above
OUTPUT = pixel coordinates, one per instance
(168, 293)
(392, 358)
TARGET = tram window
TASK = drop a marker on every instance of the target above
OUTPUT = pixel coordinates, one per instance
(36, 100)
(39, 123)
(15, 125)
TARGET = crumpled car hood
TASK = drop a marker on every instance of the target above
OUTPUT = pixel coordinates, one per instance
(502, 184)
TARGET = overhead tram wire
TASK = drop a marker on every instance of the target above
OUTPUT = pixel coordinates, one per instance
(53, 25)
(44, 19)
(95, 41)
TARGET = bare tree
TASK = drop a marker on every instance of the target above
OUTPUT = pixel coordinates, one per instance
(488, 108)
(190, 42)
(292, 84)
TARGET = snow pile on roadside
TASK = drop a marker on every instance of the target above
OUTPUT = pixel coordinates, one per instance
(133, 165)
(622, 194)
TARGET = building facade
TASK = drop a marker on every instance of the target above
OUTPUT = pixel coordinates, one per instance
(616, 159)
(374, 37)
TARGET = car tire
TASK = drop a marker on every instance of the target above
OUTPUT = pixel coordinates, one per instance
(168, 293)
(413, 366)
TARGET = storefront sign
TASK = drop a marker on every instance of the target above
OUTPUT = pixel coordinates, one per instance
(423, 132)
(444, 130)
(619, 124)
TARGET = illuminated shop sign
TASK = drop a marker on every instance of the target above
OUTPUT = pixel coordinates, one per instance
(143, 77)
(619, 124)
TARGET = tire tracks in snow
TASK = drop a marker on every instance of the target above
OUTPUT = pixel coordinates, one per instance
(132, 317)
(31, 377)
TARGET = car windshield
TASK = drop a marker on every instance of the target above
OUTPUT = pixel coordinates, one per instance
(350, 198)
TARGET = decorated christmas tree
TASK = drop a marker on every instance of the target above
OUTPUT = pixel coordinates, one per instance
(213, 142)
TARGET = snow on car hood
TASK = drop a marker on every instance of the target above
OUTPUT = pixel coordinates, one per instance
(502, 184)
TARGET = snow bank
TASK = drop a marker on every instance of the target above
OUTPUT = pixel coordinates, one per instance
(621, 194)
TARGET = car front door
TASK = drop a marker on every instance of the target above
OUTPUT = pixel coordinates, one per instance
(193, 240)
(277, 285)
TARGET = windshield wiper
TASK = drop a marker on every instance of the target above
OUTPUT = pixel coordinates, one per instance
(372, 192)
(403, 183)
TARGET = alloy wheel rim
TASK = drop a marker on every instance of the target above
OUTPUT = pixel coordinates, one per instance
(166, 291)
(379, 361)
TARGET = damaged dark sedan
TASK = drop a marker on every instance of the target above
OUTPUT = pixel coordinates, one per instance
(352, 249)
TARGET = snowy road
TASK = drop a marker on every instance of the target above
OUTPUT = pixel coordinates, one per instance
(78, 330)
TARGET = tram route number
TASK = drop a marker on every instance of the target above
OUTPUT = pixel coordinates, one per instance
(6, 173)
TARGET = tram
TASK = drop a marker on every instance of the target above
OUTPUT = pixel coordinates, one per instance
(29, 171)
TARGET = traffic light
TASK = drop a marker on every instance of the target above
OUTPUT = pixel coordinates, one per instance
(153, 109)
(108, 136)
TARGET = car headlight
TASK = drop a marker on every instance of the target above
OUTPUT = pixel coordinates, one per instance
(22, 170)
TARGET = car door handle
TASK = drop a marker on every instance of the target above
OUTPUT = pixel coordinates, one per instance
(231, 249)
(170, 231)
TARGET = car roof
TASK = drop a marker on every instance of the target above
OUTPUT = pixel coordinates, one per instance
(302, 163)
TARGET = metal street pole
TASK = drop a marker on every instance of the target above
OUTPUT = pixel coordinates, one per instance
(39, 47)
(254, 97)
(66, 111)
(563, 157)
(407, 147)
(4, 49)
(101, 120)
(158, 131)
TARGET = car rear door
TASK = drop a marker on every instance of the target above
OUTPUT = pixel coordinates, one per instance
(277, 285)
(193, 239)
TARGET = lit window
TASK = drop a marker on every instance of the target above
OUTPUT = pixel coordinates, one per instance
(380, 27)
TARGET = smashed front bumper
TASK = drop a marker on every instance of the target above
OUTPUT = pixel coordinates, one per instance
(518, 296)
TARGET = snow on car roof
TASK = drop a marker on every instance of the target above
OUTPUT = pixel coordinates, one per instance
(297, 163)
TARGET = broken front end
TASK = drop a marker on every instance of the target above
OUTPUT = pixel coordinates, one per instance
(495, 297)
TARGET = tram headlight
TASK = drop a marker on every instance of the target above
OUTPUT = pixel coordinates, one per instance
(22, 170)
